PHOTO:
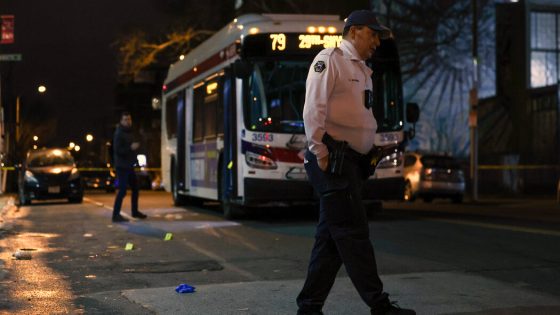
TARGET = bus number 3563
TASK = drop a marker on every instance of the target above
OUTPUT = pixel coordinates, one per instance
(263, 137)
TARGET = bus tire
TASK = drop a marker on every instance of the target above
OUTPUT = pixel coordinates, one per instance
(178, 199)
(232, 211)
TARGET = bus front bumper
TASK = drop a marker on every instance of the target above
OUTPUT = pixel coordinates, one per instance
(269, 190)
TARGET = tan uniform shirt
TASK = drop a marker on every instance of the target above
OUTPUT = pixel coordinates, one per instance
(334, 100)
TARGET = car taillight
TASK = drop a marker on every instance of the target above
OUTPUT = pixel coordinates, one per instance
(426, 174)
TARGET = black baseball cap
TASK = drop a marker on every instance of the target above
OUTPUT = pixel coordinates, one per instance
(367, 18)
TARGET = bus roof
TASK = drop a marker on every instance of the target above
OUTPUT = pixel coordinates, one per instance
(219, 46)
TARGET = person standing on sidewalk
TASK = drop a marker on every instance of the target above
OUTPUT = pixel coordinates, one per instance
(339, 122)
(124, 159)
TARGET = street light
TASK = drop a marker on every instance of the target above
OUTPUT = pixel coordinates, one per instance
(76, 148)
(89, 137)
(35, 138)
(71, 145)
(42, 89)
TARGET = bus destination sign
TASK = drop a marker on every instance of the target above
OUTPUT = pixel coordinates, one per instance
(288, 43)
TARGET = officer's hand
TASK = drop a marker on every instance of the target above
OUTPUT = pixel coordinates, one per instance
(323, 162)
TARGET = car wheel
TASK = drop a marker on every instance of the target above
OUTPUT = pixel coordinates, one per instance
(23, 199)
(408, 194)
(78, 199)
(457, 199)
(374, 208)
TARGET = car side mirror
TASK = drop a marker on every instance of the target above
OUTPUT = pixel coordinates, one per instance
(242, 69)
(412, 112)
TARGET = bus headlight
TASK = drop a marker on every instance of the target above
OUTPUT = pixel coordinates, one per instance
(393, 160)
(259, 161)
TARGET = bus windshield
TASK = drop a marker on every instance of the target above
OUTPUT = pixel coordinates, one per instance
(274, 97)
(388, 106)
(387, 87)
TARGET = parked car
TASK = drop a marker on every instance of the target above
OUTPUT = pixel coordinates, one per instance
(49, 174)
(97, 176)
(431, 175)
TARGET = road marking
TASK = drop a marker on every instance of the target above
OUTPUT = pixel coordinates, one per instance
(222, 261)
(501, 227)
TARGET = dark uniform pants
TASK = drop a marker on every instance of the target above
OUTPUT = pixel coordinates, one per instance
(126, 177)
(342, 236)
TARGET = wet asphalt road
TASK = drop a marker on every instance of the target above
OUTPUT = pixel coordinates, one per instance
(79, 263)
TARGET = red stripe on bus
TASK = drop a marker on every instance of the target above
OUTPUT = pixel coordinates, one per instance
(286, 155)
(214, 60)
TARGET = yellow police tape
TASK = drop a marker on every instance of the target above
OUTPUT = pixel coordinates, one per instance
(95, 169)
(480, 167)
(518, 167)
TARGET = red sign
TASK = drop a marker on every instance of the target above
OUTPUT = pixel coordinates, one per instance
(7, 31)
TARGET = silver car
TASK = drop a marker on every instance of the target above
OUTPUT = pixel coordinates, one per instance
(431, 175)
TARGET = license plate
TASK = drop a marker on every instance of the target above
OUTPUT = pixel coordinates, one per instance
(54, 189)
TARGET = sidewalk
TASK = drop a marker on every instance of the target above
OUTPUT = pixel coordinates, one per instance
(7, 203)
(427, 293)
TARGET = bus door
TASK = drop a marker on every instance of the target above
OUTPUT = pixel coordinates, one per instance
(228, 171)
(181, 159)
(206, 138)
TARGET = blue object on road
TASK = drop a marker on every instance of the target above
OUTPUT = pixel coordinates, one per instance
(184, 288)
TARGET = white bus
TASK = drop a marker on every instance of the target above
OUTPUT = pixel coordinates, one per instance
(232, 128)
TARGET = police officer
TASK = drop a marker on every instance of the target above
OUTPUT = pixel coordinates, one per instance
(338, 108)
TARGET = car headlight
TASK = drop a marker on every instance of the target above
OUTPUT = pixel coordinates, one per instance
(74, 174)
(30, 178)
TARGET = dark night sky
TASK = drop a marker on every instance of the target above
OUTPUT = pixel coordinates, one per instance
(66, 45)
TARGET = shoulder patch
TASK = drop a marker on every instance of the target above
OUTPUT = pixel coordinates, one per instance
(319, 66)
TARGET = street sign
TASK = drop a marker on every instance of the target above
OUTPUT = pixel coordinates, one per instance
(7, 29)
(10, 57)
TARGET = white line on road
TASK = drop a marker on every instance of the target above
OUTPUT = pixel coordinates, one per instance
(501, 227)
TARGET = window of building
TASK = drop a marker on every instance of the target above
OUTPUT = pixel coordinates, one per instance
(545, 48)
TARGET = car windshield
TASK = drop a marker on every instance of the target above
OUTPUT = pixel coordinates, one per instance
(50, 158)
(275, 96)
(440, 162)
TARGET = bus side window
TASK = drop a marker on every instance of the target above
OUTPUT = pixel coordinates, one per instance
(198, 113)
(220, 108)
(171, 116)
(210, 106)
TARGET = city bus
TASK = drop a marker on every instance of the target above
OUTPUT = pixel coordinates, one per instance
(232, 126)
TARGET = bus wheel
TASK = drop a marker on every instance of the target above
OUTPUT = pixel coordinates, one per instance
(231, 211)
(178, 199)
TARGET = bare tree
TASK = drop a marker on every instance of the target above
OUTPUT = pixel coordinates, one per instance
(137, 51)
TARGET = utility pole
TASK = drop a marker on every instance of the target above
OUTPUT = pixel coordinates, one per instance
(473, 102)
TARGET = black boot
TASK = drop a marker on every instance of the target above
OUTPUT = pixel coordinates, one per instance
(119, 218)
(387, 307)
(139, 215)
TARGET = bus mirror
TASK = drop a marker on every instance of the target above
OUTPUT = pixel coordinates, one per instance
(242, 69)
(412, 112)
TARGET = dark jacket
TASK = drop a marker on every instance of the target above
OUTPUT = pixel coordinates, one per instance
(123, 155)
